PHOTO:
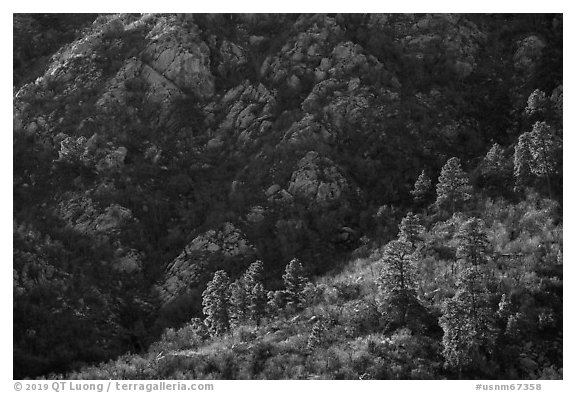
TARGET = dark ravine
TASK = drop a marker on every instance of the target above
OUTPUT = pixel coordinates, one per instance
(152, 150)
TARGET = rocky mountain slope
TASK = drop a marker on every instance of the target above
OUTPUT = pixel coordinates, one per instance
(152, 150)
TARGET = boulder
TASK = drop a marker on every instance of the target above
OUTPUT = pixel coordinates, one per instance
(294, 82)
(283, 197)
(246, 116)
(347, 58)
(113, 218)
(71, 149)
(277, 194)
(127, 262)
(214, 143)
(307, 129)
(31, 128)
(82, 214)
(527, 364)
(153, 153)
(348, 108)
(181, 57)
(256, 40)
(233, 94)
(247, 109)
(273, 189)
(256, 214)
(318, 180)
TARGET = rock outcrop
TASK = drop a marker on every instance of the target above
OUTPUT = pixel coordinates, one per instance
(452, 34)
(227, 242)
(155, 59)
(256, 214)
(127, 261)
(298, 58)
(82, 214)
(103, 158)
(179, 56)
(233, 57)
(248, 110)
(318, 180)
(308, 130)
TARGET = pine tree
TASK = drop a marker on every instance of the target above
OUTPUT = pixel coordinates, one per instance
(468, 323)
(473, 245)
(422, 188)
(537, 103)
(473, 251)
(544, 149)
(397, 281)
(537, 152)
(496, 171)
(467, 318)
(494, 161)
(317, 335)
(459, 343)
(452, 188)
(216, 303)
(238, 303)
(411, 230)
(522, 160)
(241, 294)
(294, 284)
(472, 286)
(257, 303)
(254, 275)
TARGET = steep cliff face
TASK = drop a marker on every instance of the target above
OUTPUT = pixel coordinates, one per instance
(175, 144)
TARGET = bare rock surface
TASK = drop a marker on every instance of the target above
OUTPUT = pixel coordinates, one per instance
(318, 180)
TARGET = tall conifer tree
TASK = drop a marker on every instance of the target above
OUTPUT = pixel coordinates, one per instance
(453, 188)
(216, 303)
